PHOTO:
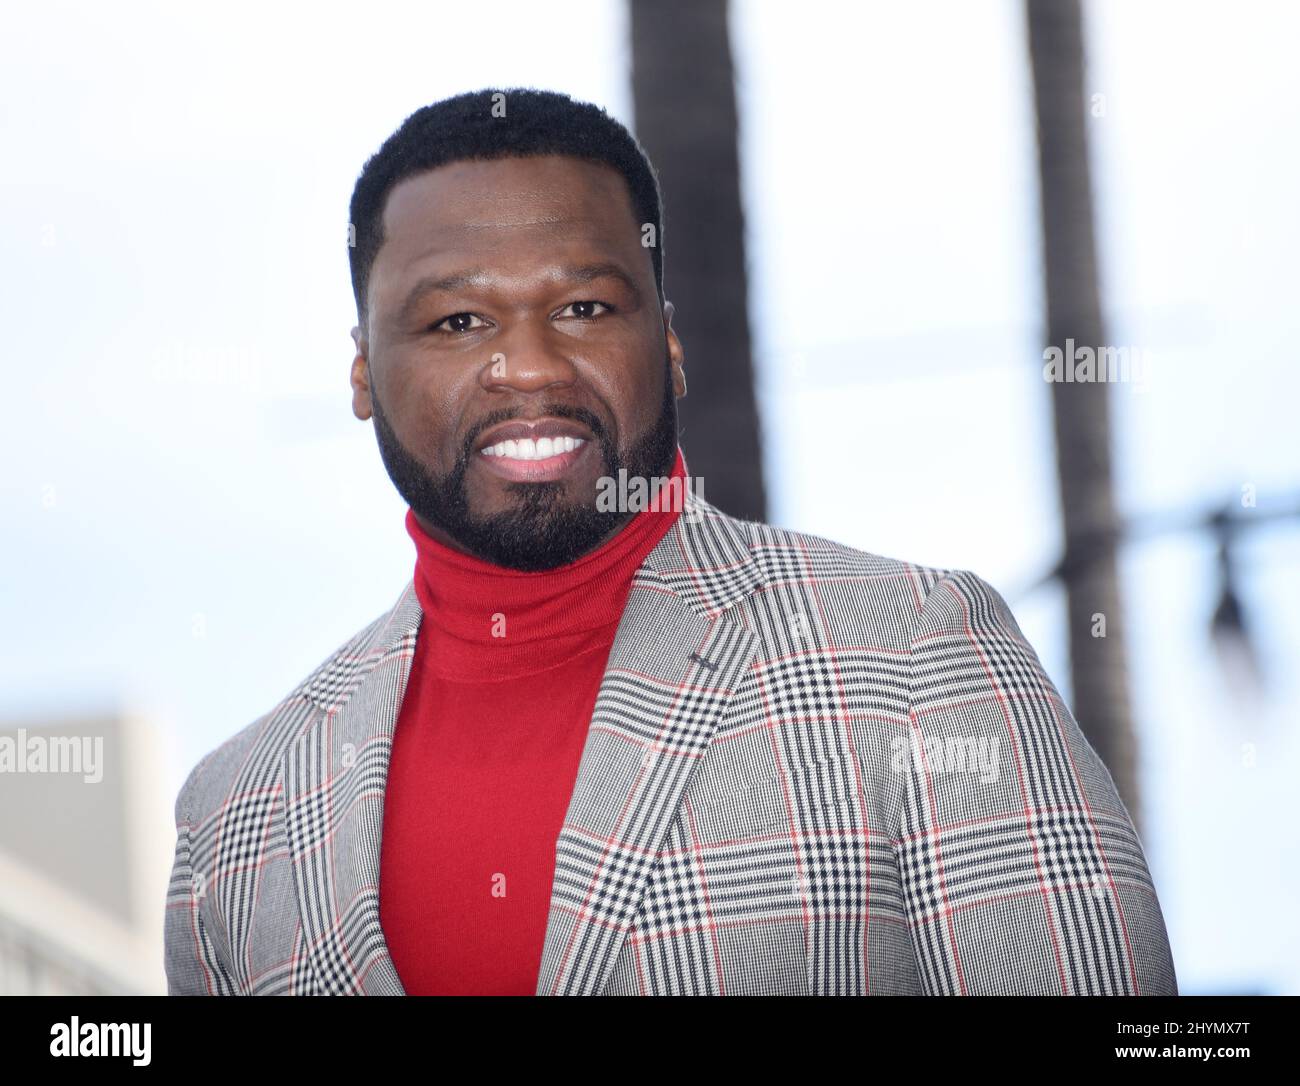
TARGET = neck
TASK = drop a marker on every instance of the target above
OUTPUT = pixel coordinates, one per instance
(487, 621)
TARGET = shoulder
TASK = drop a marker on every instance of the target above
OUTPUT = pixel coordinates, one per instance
(860, 593)
(782, 551)
(255, 751)
(875, 586)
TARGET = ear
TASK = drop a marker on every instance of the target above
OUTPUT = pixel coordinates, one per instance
(676, 352)
(360, 376)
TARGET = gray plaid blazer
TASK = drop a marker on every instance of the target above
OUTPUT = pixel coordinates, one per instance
(809, 770)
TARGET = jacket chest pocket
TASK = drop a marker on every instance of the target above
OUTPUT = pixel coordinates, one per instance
(808, 797)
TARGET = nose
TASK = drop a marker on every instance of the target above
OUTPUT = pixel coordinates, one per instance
(528, 360)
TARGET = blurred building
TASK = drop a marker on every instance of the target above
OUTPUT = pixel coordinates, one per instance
(85, 849)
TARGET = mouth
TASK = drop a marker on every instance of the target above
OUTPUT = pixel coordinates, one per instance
(543, 450)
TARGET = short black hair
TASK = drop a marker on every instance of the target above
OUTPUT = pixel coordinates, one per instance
(467, 126)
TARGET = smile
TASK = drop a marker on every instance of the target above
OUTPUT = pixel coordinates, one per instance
(528, 449)
(533, 461)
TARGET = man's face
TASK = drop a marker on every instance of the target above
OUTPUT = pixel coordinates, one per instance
(514, 353)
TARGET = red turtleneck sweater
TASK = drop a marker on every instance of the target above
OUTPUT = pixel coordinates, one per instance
(505, 676)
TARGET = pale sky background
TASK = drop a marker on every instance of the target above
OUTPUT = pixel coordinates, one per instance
(192, 517)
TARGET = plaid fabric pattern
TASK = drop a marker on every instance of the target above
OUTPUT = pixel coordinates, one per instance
(810, 770)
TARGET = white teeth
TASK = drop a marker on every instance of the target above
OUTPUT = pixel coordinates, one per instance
(528, 449)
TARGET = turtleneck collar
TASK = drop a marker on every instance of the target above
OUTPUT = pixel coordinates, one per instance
(484, 622)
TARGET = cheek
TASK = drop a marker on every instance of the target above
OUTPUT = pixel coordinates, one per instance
(634, 392)
(426, 413)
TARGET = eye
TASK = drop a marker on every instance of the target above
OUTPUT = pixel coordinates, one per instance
(584, 311)
(458, 323)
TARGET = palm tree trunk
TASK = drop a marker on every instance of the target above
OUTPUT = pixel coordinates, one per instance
(685, 102)
(1081, 410)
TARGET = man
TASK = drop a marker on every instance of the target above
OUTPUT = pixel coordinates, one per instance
(630, 749)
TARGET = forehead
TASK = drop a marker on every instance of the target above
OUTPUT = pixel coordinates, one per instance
(505, 211)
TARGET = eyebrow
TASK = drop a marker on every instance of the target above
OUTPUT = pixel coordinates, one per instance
(579, 273)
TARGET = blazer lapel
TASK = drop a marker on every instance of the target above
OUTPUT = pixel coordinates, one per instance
(334, 779)
(674, 666)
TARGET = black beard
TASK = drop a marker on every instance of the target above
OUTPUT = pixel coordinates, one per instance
(541, 531)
